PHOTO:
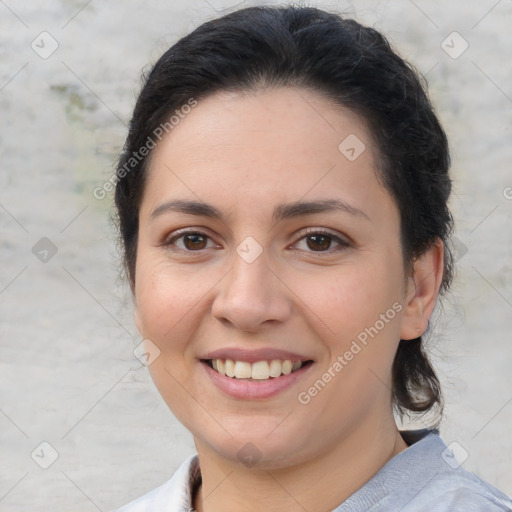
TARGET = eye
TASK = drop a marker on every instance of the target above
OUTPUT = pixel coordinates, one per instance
(190, 241)
(320, 241)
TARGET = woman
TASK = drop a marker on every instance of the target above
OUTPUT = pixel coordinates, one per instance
(282, 203)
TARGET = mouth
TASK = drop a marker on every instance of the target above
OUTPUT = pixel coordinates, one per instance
(263, 370)
(256, 374)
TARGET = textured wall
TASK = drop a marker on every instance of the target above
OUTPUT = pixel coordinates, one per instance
(68, 375)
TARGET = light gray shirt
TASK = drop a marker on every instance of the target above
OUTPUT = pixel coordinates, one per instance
(425, 477)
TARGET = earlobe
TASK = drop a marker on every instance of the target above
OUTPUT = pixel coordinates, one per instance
(422, 292)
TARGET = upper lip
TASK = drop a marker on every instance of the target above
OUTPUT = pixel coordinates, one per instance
(254, 355)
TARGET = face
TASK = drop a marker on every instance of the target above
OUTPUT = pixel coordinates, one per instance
(269, 250)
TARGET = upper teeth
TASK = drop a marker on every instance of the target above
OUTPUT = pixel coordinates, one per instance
(260, 370)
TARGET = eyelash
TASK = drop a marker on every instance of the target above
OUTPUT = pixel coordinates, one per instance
(342, 244)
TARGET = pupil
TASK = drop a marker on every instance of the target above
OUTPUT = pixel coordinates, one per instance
(195, 242)
(319, 242)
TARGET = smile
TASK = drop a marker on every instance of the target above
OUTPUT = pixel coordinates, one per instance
(259, 370)
(254, 374)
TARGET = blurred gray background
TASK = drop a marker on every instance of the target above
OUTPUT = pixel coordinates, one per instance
(69, 76)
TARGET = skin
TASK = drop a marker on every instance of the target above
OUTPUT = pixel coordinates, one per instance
(245, 154)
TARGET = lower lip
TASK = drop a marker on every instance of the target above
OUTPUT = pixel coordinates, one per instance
(254, 389)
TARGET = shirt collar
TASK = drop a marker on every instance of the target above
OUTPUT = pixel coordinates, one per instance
(188, 476)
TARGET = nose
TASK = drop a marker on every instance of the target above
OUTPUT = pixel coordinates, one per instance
(251, 297)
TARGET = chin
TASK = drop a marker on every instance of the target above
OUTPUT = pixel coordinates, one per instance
(254, 448)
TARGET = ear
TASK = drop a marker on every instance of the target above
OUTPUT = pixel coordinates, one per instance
(422, 292)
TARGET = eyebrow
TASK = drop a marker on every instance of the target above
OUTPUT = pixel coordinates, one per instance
(281, 212)
(286, 211)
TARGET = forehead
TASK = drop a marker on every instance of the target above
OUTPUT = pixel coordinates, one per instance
(281, 144)
(301, 118)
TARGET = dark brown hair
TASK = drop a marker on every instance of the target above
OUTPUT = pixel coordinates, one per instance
(348, 63)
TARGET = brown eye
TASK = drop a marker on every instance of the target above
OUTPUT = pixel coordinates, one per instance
(319, 242)
(195, 241)
(191, 241)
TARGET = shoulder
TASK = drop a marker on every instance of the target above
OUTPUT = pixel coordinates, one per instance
(172, 496)
(426, 477)
(459, 491)
(444, 486)
(462, 499)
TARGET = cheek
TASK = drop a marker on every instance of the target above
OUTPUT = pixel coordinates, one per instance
(166, 301)
(170, 308)
(361, 344)
(361, 310)
(352, 299)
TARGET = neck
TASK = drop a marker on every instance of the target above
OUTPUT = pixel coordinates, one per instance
(321, 483)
